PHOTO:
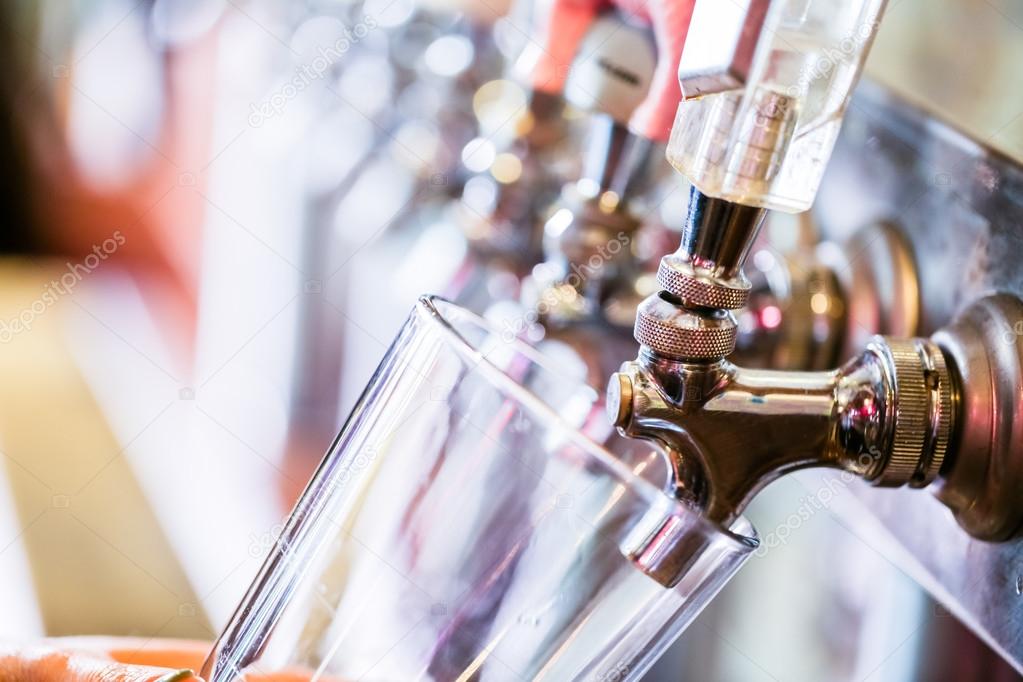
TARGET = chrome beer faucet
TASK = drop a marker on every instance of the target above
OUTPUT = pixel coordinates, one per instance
(754, 131)
(505, 227)
(503, 214)
(591, 271)
(887, 415)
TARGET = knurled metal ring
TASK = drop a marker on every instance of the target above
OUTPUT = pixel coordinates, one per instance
(678, 277)
(923, 412)
(685, 335)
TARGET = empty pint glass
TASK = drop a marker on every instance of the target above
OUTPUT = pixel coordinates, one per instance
(466, 525)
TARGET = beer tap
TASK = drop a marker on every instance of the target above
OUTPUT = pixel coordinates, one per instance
(765, 85)
(591, 272)
(615, 64)
(585, 292)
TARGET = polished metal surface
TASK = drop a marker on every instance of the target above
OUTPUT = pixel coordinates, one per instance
(681, 279)
(706, 271)
(815, 303)
(590, 259)
(677, 332)
(959, 207)
(606, 149)
(904, 412)
(886, 416)
(984, 484)
(592, 271)
(701, 282)
(924, 399)
(880, 284)
(796, 314)
(718, 235)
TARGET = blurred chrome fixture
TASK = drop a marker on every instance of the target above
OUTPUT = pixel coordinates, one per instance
(893, 415)
(813, 303)
(517, 185)
(905, 411)
(609, 78)
(591, 272)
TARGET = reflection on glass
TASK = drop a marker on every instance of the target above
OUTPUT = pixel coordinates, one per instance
(463, 526)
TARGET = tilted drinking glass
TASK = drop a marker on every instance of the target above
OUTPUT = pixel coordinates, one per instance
(465, 524)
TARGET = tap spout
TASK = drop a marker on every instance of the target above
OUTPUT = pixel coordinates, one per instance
(729, 431)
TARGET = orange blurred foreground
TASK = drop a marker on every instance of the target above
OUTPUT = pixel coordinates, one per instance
(114, 659)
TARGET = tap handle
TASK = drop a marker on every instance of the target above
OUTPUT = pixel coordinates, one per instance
(560, 31)
(670, 20)
(610, 78)
(765, 86)
(567, 26)
(613, 68)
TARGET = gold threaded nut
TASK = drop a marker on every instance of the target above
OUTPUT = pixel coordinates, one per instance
(677, 332)
(922, 411)
(678, 277)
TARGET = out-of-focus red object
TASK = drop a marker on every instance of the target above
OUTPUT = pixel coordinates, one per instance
(117, 659)
(159, 211)
(565, 26)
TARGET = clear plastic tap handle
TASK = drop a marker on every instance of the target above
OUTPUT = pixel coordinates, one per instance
(766, 85)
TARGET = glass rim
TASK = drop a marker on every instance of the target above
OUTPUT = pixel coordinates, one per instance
(432, 304)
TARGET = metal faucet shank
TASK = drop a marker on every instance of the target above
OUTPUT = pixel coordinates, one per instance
(904, 412)
(592, 270)
(730, 431)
